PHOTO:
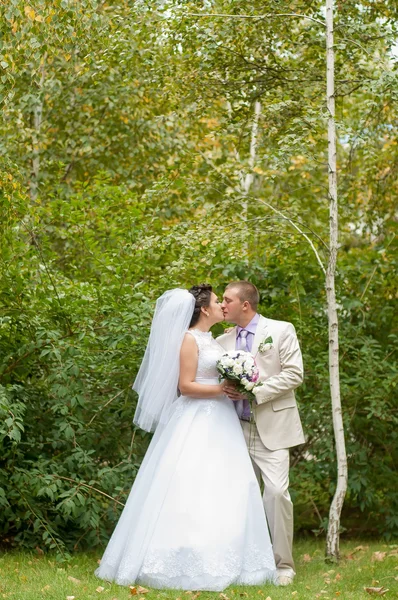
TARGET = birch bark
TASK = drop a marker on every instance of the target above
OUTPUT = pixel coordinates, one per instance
(332, 539)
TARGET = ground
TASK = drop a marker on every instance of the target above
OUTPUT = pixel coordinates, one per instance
(372, 565)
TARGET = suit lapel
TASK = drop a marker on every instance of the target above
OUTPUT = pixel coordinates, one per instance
(261, 333)
(230, 340)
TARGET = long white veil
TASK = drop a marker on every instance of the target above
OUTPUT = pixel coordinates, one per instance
(157, 379)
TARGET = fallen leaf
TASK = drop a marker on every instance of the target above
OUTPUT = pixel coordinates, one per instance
(294, 593)
(378, 591)
(142, 590)
(99, 589)
(358, 548)
(224, 597)
(70, 597)
(338, 593)
(307, 558)
(393, 552)
(338, 577)
(268, 598)
(73, 579)
(378, 556)
(45, 588)
(133, 590)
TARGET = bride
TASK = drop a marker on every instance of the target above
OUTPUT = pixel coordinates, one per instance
(194, 519)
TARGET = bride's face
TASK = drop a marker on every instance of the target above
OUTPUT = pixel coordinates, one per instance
(214, 309)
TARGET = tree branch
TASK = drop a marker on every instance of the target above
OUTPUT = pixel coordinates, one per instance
(261, 17)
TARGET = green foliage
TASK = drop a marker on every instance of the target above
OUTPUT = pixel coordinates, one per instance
(136, 188)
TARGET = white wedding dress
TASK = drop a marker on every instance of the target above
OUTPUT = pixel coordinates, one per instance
(194, 519)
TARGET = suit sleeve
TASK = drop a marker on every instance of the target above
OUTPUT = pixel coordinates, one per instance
(291, 374)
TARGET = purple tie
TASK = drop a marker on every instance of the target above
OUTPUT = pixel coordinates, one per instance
(243, 340)
(243, 406)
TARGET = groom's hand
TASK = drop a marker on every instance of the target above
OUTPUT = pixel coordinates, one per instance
(232, 393)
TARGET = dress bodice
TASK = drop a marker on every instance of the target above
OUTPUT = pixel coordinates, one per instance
(209, 351)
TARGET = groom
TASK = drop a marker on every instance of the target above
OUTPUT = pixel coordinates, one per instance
(277, 425)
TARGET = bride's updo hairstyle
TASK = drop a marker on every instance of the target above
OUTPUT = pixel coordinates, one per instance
(202, 295)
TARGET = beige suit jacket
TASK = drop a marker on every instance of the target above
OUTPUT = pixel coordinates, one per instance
(281, 371)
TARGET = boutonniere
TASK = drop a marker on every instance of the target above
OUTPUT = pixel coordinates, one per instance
(265, 345)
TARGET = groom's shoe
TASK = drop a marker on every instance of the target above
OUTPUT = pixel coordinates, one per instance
(285, 576)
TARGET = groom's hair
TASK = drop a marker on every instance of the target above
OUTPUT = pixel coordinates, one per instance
(246, 292)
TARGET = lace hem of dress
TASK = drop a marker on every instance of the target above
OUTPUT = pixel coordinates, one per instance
(190, 569)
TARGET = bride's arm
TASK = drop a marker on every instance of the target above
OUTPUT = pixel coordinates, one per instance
(188, 367)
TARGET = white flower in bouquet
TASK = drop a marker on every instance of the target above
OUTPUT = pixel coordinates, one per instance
(249, 385)
(237, 369)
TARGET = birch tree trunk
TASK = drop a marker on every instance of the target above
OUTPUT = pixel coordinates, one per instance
(332, 539)
(247, 181)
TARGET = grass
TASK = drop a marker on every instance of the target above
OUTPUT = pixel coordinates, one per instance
(28, 576)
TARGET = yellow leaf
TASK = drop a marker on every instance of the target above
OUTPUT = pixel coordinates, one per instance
(30, 13)
(73, 579)
(205, 242)
(67, 57)
(39, 18)
(258, 170)
(99, 589)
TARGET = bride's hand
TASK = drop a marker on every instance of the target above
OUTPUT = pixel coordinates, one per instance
(232, 393)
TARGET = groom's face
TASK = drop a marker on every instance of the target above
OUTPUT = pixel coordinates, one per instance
(232, 306)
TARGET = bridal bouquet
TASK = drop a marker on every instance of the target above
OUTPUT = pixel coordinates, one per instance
(240, 367)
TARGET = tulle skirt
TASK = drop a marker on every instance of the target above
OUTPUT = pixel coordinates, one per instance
(194, 519)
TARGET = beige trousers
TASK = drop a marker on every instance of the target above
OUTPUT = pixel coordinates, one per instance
(273, 465)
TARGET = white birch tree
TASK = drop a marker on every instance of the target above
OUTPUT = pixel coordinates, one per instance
(332, 539)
